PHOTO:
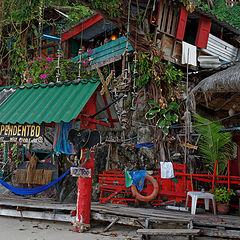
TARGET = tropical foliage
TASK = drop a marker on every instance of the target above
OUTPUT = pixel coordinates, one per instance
(19, 19)
(214, 144)
(166, 116)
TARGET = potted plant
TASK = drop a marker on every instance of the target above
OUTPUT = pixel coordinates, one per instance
(222, 197)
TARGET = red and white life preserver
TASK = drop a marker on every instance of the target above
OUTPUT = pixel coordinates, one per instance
(150, 197)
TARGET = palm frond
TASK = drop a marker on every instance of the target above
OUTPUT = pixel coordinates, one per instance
(214, 144)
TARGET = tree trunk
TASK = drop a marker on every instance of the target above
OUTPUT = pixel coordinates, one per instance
(1, 17)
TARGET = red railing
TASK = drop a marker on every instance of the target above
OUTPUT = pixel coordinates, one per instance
(113, 188)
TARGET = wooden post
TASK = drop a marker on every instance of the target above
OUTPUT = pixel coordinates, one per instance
(85, 184)
(4, 160)
(228, 175)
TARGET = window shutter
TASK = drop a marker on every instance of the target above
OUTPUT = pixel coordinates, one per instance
(204, 27)
(182, 23)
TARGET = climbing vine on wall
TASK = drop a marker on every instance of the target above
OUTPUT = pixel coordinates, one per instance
(146, 69)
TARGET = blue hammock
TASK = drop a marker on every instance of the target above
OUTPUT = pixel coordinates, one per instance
(24, 192)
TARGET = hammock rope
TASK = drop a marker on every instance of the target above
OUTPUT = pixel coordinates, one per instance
(24, 192)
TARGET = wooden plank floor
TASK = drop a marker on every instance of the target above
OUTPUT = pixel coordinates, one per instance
(35, 203)
(210, 225)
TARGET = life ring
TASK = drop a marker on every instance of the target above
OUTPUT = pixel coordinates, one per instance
(149, 197)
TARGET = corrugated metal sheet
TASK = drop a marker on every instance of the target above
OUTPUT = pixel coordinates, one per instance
(53, 102)
(106, 51)
(218, 47)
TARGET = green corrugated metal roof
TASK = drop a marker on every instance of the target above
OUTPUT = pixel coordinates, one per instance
(108, 50)
(53, 102)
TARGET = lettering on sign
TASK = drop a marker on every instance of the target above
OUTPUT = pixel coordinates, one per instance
(21, 132)
(80, 172)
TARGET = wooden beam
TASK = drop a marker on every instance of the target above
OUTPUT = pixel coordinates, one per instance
(36, 215)
(81, 117)
(80, 27)
(129, 221)
(226, 234)
(105, 62)
(215, 224)
(36, 204)
(169, 232)
(111, 224)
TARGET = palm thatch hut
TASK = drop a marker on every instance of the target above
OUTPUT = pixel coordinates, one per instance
(218, 95)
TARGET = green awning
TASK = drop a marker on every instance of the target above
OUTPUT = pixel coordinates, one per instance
(53, 102)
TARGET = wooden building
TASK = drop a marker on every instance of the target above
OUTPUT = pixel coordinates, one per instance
(210, 36)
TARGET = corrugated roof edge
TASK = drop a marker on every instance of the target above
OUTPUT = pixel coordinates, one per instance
(52, 84)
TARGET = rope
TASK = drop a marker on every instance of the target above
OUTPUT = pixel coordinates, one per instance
(24, 192)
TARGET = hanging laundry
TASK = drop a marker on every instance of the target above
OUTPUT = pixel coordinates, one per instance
(136, 178)
(61, 144)
(189, 54)
(166, 170)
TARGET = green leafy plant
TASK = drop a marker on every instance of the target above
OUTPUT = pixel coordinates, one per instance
(167, 116)
(214, 144)
(145, 69)
(223, 195)
(172, 74)
(112, 6)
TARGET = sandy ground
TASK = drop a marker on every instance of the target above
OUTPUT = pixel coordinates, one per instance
(24, 229)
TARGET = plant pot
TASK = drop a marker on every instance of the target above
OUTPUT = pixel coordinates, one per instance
(223, 208)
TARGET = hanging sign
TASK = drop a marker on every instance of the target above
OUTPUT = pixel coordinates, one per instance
(21, 132)
(81, 172)
(188, 145)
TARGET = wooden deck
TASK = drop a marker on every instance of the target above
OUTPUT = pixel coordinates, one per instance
(224, 226)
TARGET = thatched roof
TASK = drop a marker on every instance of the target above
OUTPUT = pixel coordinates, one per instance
(225, 81)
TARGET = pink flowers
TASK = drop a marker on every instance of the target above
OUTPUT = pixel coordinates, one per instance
(46, 66)
(49, 59)
(39, 58)
(43, 76)
(89, 52)
(29, 80)
(86, 63)
(138, 102)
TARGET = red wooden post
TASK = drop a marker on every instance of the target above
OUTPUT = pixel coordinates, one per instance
(214, 175)
(85, 184)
